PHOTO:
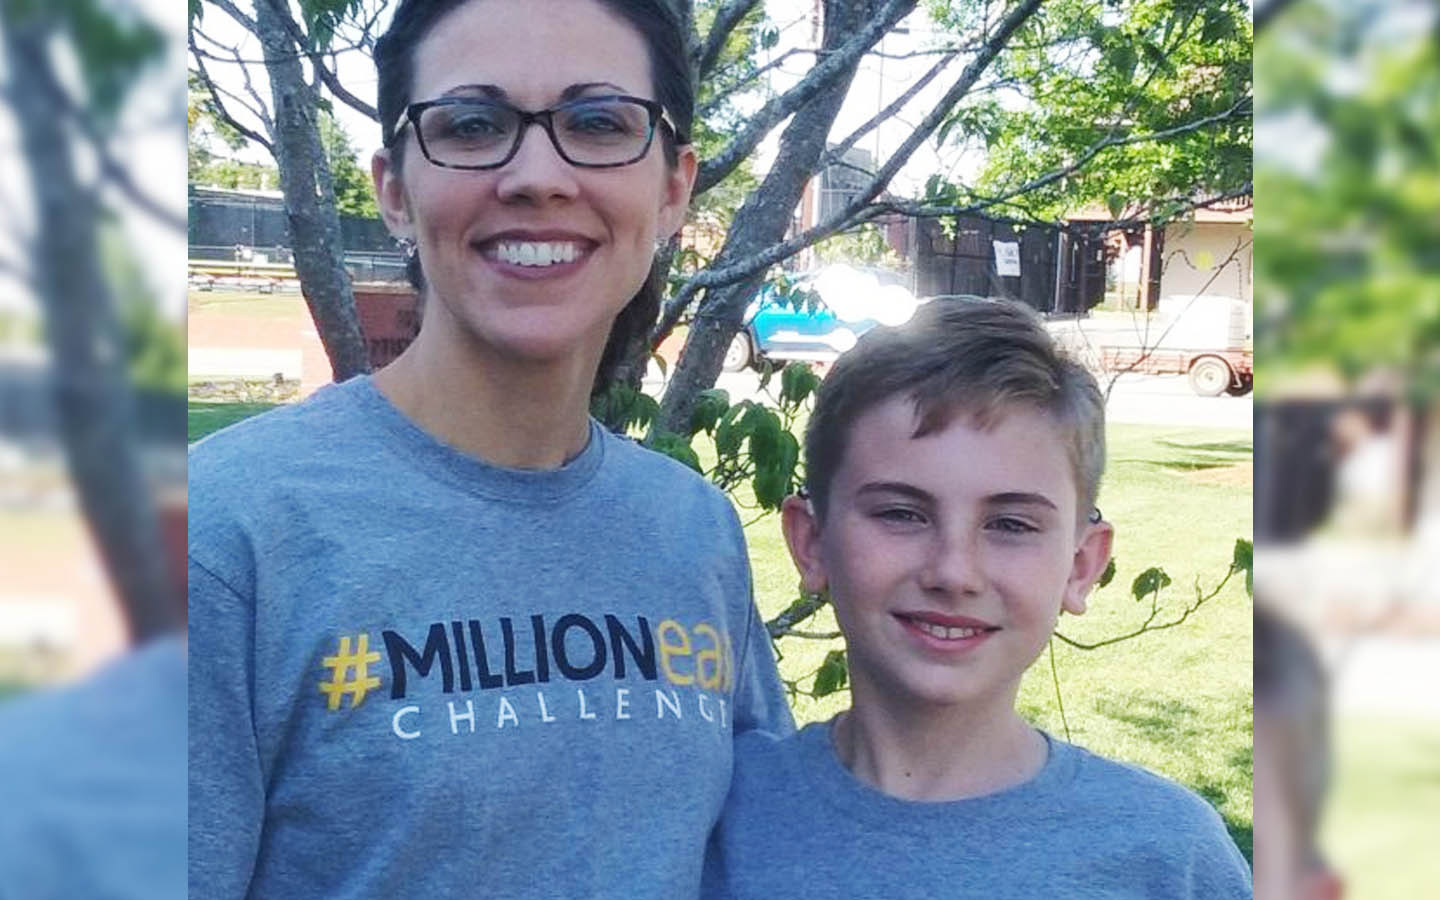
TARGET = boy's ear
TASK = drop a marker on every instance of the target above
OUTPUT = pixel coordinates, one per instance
(802, 536)
(390, 196)
(1091, 555)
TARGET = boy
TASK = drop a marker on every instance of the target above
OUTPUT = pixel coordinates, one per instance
(952, 468)
(1292, 763)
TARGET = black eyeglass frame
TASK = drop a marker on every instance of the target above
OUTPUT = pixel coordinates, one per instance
(545, 118)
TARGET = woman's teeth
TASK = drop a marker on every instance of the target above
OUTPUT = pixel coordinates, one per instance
(536, 253)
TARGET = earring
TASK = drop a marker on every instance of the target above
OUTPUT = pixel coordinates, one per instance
(407, 247)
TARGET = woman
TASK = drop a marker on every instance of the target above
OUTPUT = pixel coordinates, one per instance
(447, 633)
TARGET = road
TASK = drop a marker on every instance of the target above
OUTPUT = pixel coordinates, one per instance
(1136, 400)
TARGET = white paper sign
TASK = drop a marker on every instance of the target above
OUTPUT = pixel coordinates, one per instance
(1007, 258)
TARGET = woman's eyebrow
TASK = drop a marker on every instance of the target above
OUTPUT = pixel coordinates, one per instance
(496, 92)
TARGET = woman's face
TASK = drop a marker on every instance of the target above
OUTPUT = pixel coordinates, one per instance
(476, 230)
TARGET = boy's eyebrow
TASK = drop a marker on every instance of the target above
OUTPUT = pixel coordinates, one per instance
(497, 92)
(1005, 498)
(894, 487)
(1020, 498)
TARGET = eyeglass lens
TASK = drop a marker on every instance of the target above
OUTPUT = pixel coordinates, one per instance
(588, 132)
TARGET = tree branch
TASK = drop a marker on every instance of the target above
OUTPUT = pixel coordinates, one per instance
(220, 109)
(1147, 625)
(838, 152)
(802, 609)
(860, 209)
(726, 18)
(317, 61)
(775, 63)
(714, 170)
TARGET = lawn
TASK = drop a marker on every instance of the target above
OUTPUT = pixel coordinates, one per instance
(205, 417)
(1380, 827)
(1176, 701)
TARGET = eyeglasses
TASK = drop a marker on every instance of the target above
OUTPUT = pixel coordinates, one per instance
(479, 133)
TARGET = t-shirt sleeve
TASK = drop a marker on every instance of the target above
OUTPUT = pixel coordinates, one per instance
(227, 796)
(1217, 868)
(760, 702)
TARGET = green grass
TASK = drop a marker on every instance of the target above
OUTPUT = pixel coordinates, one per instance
(1380, 827)
(1176, 701)
(204, 418)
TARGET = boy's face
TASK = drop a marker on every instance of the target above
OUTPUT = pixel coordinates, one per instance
(948, 556)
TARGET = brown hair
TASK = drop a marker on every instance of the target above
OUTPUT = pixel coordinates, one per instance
(959, 356)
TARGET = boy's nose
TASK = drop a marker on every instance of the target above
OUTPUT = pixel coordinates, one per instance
(953, 562)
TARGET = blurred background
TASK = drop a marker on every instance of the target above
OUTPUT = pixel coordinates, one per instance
(92, 347)
(92, 465)
(1347, 413)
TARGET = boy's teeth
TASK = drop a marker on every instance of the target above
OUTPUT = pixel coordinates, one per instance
(945, 632)
(536, 253)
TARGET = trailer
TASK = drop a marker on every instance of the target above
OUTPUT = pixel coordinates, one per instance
(1207, 338)
(1211, 372)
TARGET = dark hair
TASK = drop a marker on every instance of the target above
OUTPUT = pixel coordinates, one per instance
(959, 356)
(664, 34)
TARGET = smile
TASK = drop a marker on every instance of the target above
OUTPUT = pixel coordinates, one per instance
(537, 253)
(944, 632)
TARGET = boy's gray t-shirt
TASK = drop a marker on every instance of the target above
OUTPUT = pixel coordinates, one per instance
(412, 673)
(797, 823)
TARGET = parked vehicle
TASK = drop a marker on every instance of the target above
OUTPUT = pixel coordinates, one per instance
(821, 315)
(1208, 338)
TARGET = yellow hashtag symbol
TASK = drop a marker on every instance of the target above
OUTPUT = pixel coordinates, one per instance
(345, 663)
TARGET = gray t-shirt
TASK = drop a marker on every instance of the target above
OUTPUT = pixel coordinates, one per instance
(416, 674)
(797, 823)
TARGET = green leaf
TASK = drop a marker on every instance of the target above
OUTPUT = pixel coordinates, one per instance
(1149, 581)
(732, 430)
(1108, 575)
(710, 406)
(1244, 561)
(833, 674)
(797, 382)
(676, 447)
(1115, 203)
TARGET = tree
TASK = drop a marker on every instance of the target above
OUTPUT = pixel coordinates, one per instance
(1098, 84)
(1350, 281)
(1171, 111)
(94, 397)
(354, 190)
(290, 128)
(999, 49)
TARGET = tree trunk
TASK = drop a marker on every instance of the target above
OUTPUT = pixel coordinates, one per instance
(763, 220)
(309, 193)
(93, 394)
